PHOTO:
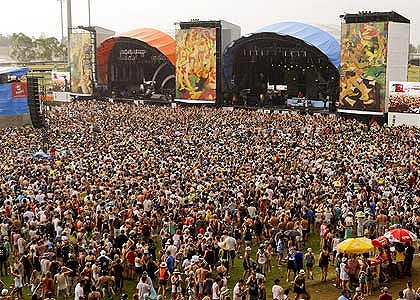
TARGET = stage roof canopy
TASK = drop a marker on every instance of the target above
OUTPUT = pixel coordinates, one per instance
(18, 72)
(311, 35)
(152, 37)
(155, 38)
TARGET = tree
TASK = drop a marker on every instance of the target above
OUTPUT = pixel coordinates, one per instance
(26, 49)
(22, 48)
(4, 40)
(412, 49)
(49, 49)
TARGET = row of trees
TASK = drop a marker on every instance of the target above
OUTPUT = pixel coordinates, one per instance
(414, 49)
(26, 49)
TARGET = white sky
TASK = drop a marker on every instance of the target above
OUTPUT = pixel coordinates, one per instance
(34, 17)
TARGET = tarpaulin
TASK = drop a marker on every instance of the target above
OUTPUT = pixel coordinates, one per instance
(18, 72)
(9, 105)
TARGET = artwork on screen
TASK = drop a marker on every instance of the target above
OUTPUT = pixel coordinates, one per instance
(404, 97)
(363, 66)
(196, 64)
(81, 56)
(60, 81)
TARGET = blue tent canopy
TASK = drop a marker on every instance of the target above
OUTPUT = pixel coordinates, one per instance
(311, 35)
(18, 72)
(322, 40)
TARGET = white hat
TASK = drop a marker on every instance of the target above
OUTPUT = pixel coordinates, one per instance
(4, 292)
(302, 272)
(103, 252)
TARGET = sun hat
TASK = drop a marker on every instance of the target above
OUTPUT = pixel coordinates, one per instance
(302, 272)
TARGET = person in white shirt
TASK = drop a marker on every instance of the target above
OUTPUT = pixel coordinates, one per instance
(409, 293)
(78, 291)
(147, 205)
(143, 288)
(216, 289)
(239, 290)
(277, 290)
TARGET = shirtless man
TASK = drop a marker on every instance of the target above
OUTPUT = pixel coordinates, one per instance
(382, 222)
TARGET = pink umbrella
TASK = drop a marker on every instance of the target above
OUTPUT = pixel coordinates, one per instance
(400, 235)
(380, 242)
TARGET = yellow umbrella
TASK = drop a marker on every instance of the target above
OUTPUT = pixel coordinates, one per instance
(356, 246)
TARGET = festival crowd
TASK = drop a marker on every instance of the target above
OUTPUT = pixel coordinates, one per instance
(202, 203)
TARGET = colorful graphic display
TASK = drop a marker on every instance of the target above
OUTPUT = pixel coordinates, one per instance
(404, 97)
(196, 64)
(363, 66)
(60, 81)
(81, 63)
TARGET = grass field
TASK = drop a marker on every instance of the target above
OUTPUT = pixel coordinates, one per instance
(413, 73)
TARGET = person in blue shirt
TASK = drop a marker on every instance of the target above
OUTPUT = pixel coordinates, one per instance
(299, 260)
(311, 219)
(345, 295)
(279, 249)
(170, 262)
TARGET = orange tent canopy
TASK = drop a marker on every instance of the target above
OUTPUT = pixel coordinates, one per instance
(155, 38)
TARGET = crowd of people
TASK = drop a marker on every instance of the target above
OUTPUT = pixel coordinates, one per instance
(402, 102)
(200, 203)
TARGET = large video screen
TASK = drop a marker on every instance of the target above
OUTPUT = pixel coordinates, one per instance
(404, 97)
(363, 66)
(60, 81)
(81, 56)
(196, 64)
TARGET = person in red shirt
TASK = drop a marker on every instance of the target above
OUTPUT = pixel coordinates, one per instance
(130, 256)
(384, 295)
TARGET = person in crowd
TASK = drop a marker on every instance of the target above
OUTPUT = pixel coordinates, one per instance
(277, 291)
(324, 261)
(345, 295)
(409, 293)
(310, 259)
(299, 287)
(385, 295)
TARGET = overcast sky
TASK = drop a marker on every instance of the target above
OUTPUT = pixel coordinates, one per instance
(34, 17)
